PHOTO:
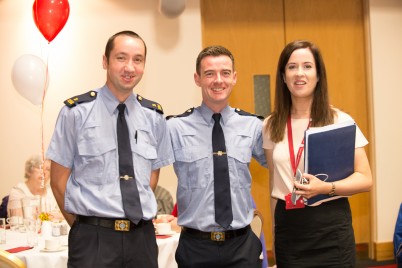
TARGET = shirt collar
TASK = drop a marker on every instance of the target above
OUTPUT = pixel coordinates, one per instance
(207, 113)
(111, 101)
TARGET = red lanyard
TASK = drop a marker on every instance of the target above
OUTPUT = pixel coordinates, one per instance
(294, 162)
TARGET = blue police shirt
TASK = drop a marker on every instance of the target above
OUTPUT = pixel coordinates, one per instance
(191, 137)
(85, 141)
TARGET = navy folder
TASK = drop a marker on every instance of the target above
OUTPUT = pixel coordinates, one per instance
(330, 150)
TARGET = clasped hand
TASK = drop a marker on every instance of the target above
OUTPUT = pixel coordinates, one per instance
(314, 187)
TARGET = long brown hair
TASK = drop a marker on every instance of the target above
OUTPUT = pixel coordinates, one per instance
(321, 112)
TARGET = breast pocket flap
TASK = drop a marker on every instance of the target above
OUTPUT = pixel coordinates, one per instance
(96, 147)
(190, 154)
(241, 154)
(144, 149)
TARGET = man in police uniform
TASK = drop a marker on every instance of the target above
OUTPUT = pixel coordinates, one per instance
(204, 242)
(85, 163)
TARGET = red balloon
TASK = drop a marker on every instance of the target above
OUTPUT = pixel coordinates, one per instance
(50, 16)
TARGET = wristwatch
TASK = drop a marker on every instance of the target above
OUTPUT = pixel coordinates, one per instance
(332, 192)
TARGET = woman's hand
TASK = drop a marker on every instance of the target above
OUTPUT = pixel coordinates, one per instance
(314, 187)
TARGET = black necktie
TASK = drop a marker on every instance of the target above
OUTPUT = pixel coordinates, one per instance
(128, 185)
(223, 203)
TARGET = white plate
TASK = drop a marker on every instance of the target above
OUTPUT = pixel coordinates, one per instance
(54, 250)
(169, 233)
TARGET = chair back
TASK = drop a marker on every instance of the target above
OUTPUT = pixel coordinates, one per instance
(257, 222)
(9, 260)
(3, 207)
(164, 200)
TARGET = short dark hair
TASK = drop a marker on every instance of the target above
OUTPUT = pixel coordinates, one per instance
(213, 51)
(110, 42)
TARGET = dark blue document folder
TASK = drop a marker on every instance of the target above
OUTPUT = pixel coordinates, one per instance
(330, 150)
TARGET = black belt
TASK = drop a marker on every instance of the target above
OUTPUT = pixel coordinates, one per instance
(124, 225)
(216, 236)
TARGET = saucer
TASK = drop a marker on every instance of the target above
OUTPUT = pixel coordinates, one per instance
(167, 233)
(61, 248)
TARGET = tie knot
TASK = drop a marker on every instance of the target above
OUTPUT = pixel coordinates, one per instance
(121, 108)
(216, 117)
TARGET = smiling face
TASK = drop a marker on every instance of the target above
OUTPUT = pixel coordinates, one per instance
(216, 78)
(301, 74)
(125, 65)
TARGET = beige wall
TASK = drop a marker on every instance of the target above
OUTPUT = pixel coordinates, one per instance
(386, 40)
(75, 66)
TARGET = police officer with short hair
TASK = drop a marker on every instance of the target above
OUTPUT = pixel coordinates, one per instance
(214, 199)
(86, 171)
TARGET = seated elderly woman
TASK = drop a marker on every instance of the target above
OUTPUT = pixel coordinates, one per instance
(37, 177)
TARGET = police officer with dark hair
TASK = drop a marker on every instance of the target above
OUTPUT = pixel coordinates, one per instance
(213, 146)
(106, 152)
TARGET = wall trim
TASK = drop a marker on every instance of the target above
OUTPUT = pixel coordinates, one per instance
(384, 251)
(370, 105)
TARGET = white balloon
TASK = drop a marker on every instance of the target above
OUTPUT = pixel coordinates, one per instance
(172, 8)
(29, 78)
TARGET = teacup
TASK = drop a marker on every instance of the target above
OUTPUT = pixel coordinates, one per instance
(164, 218)
(52, 244)
(163, 228)
(13, 222)
(46, 229)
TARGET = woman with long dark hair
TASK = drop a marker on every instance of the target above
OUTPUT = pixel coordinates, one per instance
(312, 236)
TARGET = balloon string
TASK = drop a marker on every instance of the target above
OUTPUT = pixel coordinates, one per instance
(42, 125)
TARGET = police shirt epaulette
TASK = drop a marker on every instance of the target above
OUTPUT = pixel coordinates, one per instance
(150, 104)
(186, 113)
(86, 97)
(241, 112)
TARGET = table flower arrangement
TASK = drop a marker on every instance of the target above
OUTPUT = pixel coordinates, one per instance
(45, 216)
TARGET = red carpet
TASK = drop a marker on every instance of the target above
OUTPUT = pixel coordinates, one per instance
(384, 266)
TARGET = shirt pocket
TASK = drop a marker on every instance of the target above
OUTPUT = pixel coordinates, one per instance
(243, 139)
(189, 139)
(193, 166)
(239, 159)
(144, 150)
(144, 153)
(242, 155)
(143, 136)
(95, 160)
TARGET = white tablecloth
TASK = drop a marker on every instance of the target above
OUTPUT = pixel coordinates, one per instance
(36, 257)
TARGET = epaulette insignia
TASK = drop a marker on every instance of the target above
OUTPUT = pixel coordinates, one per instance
(150, 104)
(86, 97)
(241, 112)
(186, 113)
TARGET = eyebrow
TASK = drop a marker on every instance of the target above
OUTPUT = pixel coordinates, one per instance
(217, 71)
(302, 62)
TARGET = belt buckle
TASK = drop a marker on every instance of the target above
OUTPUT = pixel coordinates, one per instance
(218, 236)
(122, 225)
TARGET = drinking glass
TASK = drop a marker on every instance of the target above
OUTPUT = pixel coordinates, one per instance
(15, 216)
(32, 228)
(31, 211)
(2, 230)
(31, 207)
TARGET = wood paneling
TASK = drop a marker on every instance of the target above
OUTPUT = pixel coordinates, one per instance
(253, 32)
(337, 27)
(384, 251)
(256, 32)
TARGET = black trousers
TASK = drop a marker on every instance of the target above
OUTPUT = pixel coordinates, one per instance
(93, 246)
(320, 236)
(241, 252)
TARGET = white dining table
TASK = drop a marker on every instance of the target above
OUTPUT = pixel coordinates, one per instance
(39, 257)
